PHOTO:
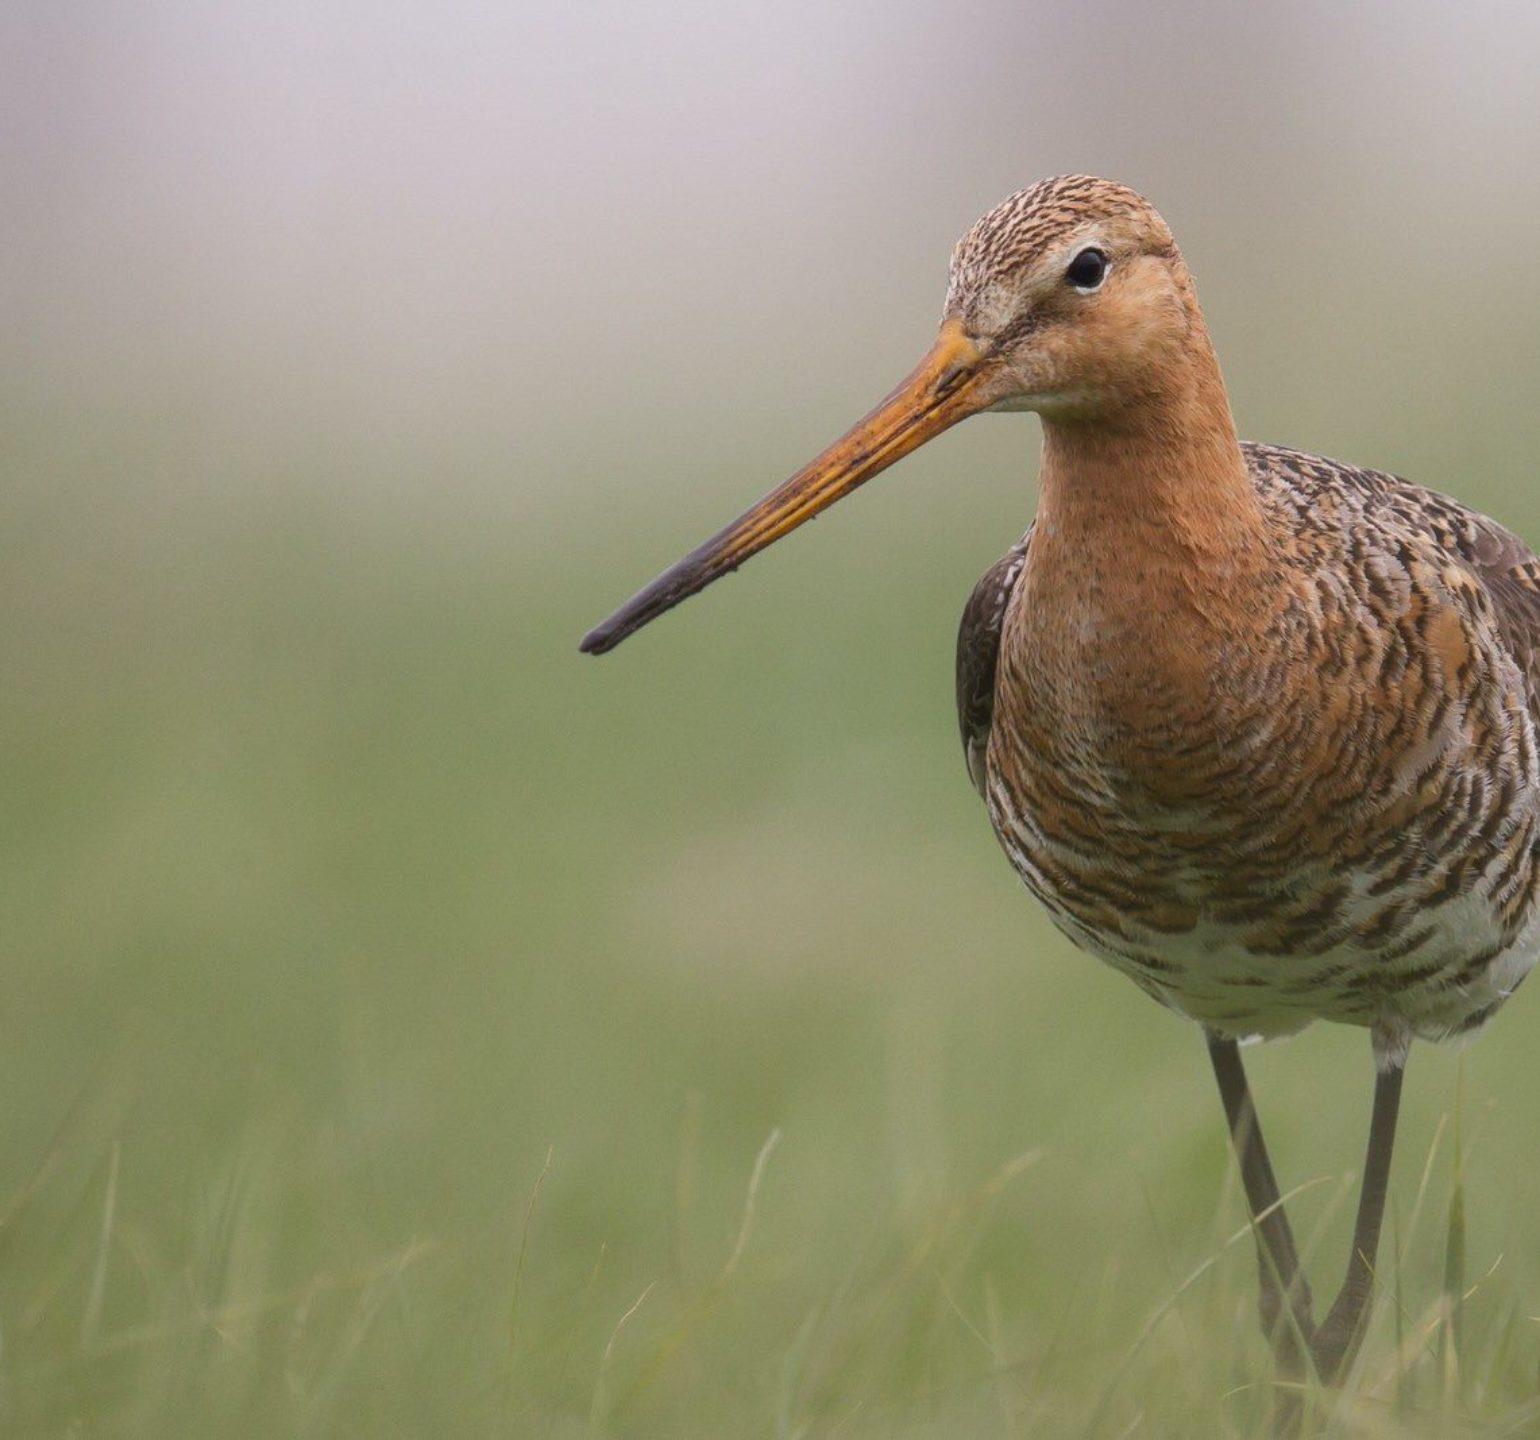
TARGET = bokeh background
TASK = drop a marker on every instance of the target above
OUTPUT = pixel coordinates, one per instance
(413, 1028)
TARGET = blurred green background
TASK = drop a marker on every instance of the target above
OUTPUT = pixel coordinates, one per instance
(397, 1004)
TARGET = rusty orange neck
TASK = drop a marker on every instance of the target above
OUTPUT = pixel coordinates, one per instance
(1153, 501)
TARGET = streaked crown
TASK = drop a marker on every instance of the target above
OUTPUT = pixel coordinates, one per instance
(1051, 214)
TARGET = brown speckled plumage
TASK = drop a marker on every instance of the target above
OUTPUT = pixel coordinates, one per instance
(1338, 819)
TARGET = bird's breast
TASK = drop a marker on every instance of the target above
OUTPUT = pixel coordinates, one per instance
(1213, 808)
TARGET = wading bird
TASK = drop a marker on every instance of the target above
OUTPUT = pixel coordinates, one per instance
(1256, 727)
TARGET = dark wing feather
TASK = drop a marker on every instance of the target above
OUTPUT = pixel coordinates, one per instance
(978, 652)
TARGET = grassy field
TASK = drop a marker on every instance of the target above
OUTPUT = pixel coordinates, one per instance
(415, 1029)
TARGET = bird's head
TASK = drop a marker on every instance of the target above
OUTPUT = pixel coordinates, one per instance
(1068, 298)
(1074, 298)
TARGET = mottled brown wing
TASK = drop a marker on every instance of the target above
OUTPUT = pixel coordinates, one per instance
(978, 652)
(1509, 570)
(1506, 567)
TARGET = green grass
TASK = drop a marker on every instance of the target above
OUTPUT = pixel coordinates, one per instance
(414, 1029)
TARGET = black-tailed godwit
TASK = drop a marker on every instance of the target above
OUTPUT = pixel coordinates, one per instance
(1257, 728)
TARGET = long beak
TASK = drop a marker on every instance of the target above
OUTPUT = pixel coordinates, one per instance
(942, 390)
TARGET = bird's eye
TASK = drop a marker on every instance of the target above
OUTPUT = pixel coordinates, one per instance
(1087, 270)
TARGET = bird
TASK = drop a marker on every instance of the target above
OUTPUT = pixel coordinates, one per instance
(1256, 727)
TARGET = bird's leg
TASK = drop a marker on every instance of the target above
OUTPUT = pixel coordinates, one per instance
(1337, 1340)
(1285, 1301)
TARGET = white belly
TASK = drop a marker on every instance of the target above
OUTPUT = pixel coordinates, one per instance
(1441, 973)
